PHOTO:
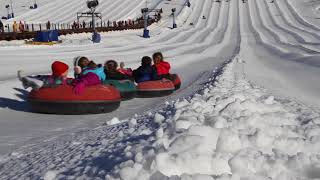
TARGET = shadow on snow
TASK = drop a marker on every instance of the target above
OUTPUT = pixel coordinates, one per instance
(15, 104)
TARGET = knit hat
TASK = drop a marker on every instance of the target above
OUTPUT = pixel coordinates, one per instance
(58, 68)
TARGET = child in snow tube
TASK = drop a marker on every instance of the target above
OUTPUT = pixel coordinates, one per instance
(58, 94)
(163, 70)
(122, 82)
(146, 72)
(149, 83)
(110, 69)
(125, 71)
(162, 67)
(59, 77)
(83, 66)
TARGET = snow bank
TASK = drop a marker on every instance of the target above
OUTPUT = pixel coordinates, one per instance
(12, 43)
(231, 130)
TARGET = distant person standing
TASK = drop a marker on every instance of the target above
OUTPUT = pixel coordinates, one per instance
(21, 26)
(74, 25)
(83, 24)
(15, 27)
(48, 25)
(77, 25)
(1, 27)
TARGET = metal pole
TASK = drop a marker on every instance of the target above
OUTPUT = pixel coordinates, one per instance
(174, 19)
(93, 22)
(145, 24)
(145, 17)
(8, 12)
(12, 14)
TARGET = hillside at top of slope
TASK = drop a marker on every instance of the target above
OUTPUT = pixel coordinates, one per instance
(65, 11)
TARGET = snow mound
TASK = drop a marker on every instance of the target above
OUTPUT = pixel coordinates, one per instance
(231, 130)
(50, 175)
(113, 121)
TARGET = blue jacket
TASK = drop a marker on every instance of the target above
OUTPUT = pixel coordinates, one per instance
(99, 71)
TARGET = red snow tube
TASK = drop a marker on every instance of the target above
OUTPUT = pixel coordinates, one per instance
(155, 88)
(176, 81)
(62, 100)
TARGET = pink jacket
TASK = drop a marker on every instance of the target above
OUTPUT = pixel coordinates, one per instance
(86, 80)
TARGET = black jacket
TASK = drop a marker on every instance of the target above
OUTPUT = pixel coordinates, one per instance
(116, 75)
(145, 73)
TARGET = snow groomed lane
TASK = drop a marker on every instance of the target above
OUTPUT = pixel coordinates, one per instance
(279, 70)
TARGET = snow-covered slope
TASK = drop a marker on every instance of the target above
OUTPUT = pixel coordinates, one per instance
(265, 101)
(65, 11)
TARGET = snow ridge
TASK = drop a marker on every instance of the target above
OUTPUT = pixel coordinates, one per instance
(231, 130)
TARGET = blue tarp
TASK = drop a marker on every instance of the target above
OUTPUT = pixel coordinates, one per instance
(47, 36)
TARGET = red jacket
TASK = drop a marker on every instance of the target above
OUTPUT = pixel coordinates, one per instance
(163, 68)
(125, 71)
